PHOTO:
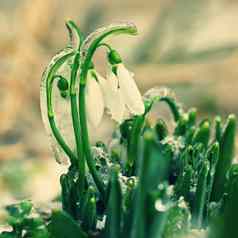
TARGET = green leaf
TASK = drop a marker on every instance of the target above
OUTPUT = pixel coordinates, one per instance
(63, 226)
(212, 156)
(218, 128)
(202, 134)
(227, 150)
(184, 184)
(200, 196)
(225, 225)
(114, 208)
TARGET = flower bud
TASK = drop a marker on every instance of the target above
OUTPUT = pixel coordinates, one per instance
(62, 83)
(114, 57)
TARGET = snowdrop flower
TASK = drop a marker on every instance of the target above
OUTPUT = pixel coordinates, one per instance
(118, 93)
(129, 90)
(112, 97)
(94, 100)
(121, 94)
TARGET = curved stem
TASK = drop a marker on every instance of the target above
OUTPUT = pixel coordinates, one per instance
(174, 107)
(61, 141)
(74, 34)
(49, 74)
(105, 45)
(76, 121)
(86, 61)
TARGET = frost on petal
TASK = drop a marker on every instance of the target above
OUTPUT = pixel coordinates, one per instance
(130, 92)
(94, 101)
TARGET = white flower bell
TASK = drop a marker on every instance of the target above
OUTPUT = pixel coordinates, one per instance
(94, 100)
(112, 97)
(121, 94)
(129, 90)
(118, 93)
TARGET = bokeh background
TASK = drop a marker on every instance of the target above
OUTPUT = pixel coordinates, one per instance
(190, 46)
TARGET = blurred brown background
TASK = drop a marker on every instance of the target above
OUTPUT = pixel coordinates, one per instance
(190, 46)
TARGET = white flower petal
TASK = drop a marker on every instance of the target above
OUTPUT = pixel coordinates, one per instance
(94, 101)
(112, 96)
(129, 90)
(113, 81)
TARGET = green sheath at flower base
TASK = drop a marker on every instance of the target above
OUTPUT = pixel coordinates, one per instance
(88, 49)
(48, 79)
(227, 150)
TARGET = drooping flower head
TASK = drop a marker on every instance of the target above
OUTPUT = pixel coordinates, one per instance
(118, 93)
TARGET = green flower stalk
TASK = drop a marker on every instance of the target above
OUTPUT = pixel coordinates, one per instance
(88, 49)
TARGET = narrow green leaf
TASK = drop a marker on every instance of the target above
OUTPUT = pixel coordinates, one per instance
(212, 156)
(200, 196)
(114, 208)
(218, 128)
(202, 134)
(227, 150)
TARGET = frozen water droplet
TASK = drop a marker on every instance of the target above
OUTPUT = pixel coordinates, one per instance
(160, 206)
(170, 190)
(159, 92)
(101, 223)
(161, 186)
(182, 203)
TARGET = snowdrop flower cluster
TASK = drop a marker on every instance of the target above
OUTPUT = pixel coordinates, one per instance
(117, 93)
